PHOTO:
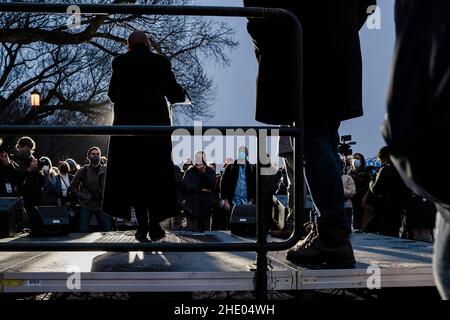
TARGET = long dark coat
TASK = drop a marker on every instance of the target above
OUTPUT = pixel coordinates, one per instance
(332, 60)
(418, 121)
(230, 178)
(140, 169)
(199, 203)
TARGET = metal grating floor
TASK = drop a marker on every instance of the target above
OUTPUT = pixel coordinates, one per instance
(179, 237)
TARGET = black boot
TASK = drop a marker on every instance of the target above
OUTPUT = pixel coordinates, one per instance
(141, 237)
(330, 249)
(156, 232)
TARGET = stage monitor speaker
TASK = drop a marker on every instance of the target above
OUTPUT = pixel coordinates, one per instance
(11, 212)
(243, 220)
(50, 220)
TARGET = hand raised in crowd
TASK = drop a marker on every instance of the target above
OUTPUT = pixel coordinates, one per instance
(33, 166)
(226, 205)
(4, 158)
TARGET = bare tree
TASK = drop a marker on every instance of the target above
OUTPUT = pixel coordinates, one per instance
(72, 67)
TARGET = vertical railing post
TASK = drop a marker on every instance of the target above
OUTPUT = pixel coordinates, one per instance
(298, 139)
(261, 220)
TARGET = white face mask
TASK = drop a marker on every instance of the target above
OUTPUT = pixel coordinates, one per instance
(45, 169)
(356, 163)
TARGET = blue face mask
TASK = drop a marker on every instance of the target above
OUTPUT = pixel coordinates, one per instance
(242, 155)
(356, 163)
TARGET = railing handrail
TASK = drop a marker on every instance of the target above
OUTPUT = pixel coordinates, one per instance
(10, 130)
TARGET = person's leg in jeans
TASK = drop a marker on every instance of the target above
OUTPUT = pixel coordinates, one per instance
(85, 219)
(104, 221)
(441, 257)
(328, 241)
(323, 170)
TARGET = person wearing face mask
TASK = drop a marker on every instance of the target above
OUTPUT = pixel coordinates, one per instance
(87, 186)
(361, 177)
(62, 183)
(238, 184)
(49, 176)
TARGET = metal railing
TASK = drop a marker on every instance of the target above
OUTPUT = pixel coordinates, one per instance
(261, 246)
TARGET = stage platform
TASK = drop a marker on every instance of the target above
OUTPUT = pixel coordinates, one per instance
(401, 263)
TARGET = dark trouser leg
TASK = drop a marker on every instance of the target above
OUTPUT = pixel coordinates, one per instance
(289, 165)
(142, 220)
(85, 219)
(104, 221)
(442, 253)
(357, 217)
(323, 171)
(205, 223)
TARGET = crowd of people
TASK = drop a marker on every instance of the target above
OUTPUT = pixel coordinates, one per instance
(376, 198)
(380, 202)
(205, 196)
(359, 199)
(40, 183)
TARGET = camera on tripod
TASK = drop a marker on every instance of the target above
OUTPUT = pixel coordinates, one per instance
(345, 146)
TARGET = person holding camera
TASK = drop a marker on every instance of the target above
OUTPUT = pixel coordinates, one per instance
(87, 186)
(199, 184)
(10, 175)
(31, 188)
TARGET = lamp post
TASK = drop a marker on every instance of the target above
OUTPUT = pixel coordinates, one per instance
(35, 99)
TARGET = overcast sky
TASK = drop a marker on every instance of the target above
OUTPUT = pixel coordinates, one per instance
(236, 85)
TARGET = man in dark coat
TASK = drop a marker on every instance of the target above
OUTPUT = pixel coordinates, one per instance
(332, 93)
(198, 184)
(418, 112)
(390, 198)
(238, 183)
(140, 84)
(242, 170)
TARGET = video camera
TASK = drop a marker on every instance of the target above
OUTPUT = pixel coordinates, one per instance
(345, 146)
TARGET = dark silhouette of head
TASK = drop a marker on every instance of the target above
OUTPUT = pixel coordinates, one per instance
(138, 38)
(384, 155)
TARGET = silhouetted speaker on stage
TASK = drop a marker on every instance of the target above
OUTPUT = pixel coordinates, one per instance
(11, 210)
(49, 221)
(141, 84)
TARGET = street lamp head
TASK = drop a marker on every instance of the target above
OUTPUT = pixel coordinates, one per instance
(35, 99)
